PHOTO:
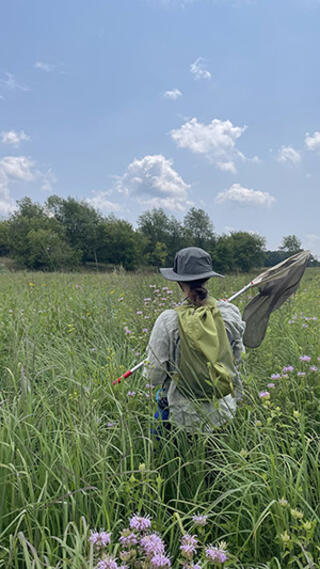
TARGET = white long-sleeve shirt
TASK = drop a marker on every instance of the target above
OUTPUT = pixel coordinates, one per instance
(163, 356)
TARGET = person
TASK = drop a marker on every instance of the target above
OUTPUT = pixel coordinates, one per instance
(193, 350)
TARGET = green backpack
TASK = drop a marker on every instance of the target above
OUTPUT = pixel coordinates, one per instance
(206, 364)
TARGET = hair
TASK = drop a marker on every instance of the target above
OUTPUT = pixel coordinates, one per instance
(198, 293)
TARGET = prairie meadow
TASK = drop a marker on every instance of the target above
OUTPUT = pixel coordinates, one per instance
(84, 479)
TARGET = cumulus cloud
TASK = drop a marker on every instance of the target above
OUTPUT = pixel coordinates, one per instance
(18, 167)
(13, 137)
(13, 168)
(173, 94)
(101, 202)
(312, 141)
(288, 154)
(216, 141)
(12, 84)
(245, 196)
(154, 183)
(198, 69)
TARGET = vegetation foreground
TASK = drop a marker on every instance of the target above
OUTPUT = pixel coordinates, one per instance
(78, 454)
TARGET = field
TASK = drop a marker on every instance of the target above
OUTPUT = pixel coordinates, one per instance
(78, 454)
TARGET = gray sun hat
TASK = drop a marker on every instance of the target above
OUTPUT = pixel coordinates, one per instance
(190, 264)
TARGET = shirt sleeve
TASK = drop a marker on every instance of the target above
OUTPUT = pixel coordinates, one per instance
(235, 327)
(158, 353)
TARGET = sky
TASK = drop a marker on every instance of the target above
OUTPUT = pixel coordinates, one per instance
(135, 104)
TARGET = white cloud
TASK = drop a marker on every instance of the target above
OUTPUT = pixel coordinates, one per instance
(13, 137)
(101, 202)
(173, 94)
(312, 242)
(312, 141)
(245, 196)
(43, 66)
(198, 69)
(18, 167)
(154, 183)
(6, 202)
(216, 140)
(13, 168)
(48, 180)
(11, 83)
(288, 154)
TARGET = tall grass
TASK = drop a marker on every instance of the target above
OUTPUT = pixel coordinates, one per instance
(78, 453)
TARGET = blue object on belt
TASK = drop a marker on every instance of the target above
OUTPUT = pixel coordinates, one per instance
(161, 413)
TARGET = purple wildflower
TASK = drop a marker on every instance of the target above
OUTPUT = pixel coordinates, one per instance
(139, 312)
(313, 368)
(305, 326)
(215, 554)
(100, 538)
(305, 358)
(270, 385)
(140, 523)
(276, 376)
(199, 520)
(120, 299)
(108, 563)
(264, 394)
(287, 368)
(189, 540)
(145, 330)
(131, 394)
(128, 538)
(147, 300)
(188, 550)
(152, 544)
(301, 373)
(160, 560)
(127, 331)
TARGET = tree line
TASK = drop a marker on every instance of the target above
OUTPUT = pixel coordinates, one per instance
(65, 234)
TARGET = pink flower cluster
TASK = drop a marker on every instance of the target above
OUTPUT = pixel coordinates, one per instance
(216, 554)
(140, 546)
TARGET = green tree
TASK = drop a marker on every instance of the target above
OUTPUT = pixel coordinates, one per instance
(223, 254)
(48, 251)
(119, 243)
(80, 222)
(198, 229)
(36, 240)
(4, 238)
(159, 254)
(291, 244)
(248, 250)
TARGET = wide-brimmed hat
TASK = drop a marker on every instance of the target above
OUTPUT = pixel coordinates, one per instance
(190, 264)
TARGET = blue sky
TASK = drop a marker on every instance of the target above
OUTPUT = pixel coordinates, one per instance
(134, 104)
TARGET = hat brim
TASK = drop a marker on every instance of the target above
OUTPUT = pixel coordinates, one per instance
(171, 275)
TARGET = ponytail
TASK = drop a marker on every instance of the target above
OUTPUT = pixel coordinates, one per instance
(198, 293)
